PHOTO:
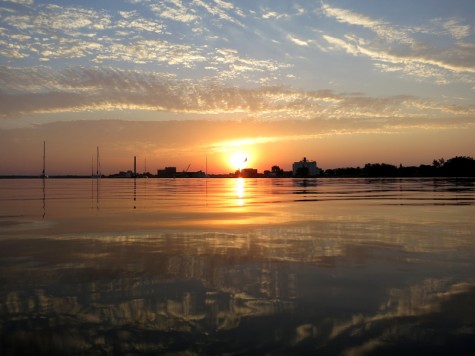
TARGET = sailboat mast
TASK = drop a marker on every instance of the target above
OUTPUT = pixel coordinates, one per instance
(97, 162)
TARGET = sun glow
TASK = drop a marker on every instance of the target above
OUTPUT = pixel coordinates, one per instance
(238, 160)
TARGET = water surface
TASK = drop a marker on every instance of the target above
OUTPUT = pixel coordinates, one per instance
(237, 266)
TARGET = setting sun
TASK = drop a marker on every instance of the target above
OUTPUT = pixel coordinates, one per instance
(238, 160)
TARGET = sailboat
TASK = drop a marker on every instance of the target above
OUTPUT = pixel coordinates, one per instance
(43, 174)
(98, 166)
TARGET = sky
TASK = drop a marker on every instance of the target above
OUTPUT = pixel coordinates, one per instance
(195, 83)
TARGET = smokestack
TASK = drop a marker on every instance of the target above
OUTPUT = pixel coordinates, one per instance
(135, 166)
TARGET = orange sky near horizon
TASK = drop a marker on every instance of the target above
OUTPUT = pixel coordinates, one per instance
(156, 147)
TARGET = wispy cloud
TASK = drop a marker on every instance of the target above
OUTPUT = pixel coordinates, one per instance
(455, 27)
(351, 17)
(174, 10)
(396, 48)
(273, 15)
(318, 133)
(298, 41)
(133, 21)
(191, 11)
(27, 91)
(232, 65)
(147, 51)
(220, 9)
(21, 2)
(356, 46)
(383, 29)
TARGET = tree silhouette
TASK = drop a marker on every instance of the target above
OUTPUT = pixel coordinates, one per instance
(277, 171)
(459, 167)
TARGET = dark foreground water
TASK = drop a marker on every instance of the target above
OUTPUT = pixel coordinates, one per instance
(233, 266)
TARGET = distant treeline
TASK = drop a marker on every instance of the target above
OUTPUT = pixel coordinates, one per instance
(454, 167)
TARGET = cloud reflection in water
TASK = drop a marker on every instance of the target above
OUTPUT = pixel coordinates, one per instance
(307, 275)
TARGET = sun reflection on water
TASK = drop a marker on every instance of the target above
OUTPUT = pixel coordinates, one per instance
(240, 190)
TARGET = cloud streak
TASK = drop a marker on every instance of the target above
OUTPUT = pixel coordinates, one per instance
(27, 91)
(397, 49)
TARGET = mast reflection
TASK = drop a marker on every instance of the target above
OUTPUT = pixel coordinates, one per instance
(135, 192)
(44, 197)
(95, 192)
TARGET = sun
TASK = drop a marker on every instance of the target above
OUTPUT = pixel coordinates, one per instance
(238, 160)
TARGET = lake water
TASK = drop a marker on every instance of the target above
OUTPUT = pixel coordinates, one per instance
(237, 266)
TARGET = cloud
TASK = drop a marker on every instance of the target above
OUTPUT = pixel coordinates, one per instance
(147, 51)
(175, 10)
(22, 2)
(273, 15)
(350, 17)
(56, 32)
(50, 32)
(219, 10)
(28, 91)
(12, 50)
(297, 41)
(383, 29)
(318, 131)
(57, 18)
(456, 29)
(133, 21)
(232, 65)
(396, 49)
(224, 5)
(413, 309)
(192, 11)
(463, 63)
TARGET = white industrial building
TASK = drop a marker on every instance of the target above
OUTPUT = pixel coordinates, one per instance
(305, 168)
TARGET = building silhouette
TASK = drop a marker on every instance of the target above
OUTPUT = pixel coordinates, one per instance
(305, 168)
(168, 172)
(247, 173)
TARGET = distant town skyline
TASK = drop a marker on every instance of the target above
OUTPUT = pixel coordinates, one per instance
(196, 83)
